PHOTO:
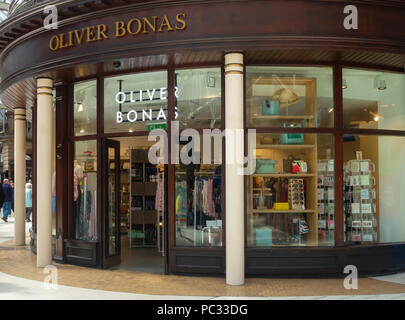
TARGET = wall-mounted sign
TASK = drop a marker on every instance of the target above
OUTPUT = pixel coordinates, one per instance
(132, 27)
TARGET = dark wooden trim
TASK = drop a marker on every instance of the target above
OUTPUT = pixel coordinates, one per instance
(70, 156)
(377, 132)
(292, 130)
(201, 261)
(223, 171)
(339, 183)
(81, 252)
(323, 262)
(171, 237)
(124, 134)
(84, 138)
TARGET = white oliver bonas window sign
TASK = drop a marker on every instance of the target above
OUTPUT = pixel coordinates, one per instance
(143, 96)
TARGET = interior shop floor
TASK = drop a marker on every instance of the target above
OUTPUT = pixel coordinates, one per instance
(140, 259)
(21, 262)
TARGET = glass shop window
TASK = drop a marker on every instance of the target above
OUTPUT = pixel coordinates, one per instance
(198, 197)
(85, 108)
(289, 97)
(374, 181)
(85, 190)
(198, 98)
(291, 195)
(373, 100)
(136, 102)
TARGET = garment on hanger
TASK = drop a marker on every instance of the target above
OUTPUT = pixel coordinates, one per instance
(159, 199)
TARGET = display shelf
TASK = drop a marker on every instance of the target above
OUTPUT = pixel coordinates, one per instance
(282, 175)
(282, 211)
(285, 146)
(143, 221)
(292, 117)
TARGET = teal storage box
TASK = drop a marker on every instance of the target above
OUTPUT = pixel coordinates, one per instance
(270, 107)
(291, 138)
(263, 237)
(265, 166)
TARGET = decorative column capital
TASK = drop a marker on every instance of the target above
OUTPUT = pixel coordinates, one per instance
(20, 113)
(44, 86)
(234, 63)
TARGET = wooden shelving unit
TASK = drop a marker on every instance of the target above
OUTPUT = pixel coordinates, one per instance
(268, 147)
(143, 216)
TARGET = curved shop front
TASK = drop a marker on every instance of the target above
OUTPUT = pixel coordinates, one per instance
(326, 104)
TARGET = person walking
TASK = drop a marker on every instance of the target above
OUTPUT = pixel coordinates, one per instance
(12, 199)
(8, 197)
(1, 195)
(28, 201)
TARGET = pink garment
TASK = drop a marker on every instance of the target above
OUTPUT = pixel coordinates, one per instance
(75, 187)
(54, 184)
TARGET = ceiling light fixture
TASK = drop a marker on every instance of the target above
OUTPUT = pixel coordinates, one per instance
(344, 84)
(79, 107)
(379, 83)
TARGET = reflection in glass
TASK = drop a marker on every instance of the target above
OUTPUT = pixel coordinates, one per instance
(289, 97)
(136, 102)
(291, 193)
(85, 190)
(85, 108)
(374, 100)
(199, 97)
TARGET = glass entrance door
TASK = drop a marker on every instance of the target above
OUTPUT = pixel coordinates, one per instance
(111, 211)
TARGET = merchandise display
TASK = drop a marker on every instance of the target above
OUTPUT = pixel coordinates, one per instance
(326, 201)
(85, 198)
(199, 206)
(283, 201)
(360, 201)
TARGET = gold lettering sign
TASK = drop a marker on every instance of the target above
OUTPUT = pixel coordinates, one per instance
(132, 27)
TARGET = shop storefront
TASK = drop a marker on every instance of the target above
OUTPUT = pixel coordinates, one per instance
(326, 105)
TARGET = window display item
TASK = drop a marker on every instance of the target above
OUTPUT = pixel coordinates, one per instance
(291, 138)
(299, 166)
(286, 97)
(265, 166)
(270, 107)
(360, 207)
(281, 206)
(263, 237)
(296, 195)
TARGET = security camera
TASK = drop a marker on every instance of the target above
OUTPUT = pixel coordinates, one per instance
(117, 64)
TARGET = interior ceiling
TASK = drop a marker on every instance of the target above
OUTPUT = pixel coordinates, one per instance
(23, 93)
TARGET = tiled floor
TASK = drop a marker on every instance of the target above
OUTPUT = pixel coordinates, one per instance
(21, 262)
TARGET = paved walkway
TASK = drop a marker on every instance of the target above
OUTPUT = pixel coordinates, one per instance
(20, 279)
